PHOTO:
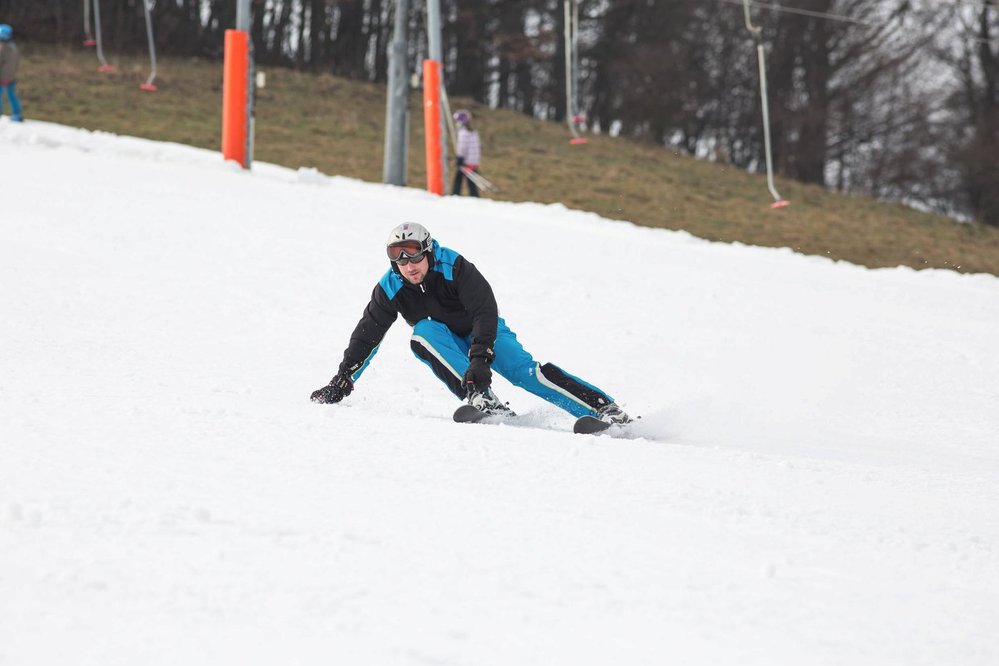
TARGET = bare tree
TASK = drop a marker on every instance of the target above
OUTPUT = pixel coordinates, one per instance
(973, 121)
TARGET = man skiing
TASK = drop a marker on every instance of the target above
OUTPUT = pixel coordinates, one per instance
(458, 333)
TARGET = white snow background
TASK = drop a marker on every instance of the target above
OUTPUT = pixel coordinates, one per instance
(813, 480)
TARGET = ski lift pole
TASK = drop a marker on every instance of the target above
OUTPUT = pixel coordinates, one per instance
(237, 90)
(105, 67)
(149, 85)
(435, 52)
(756, 32)
(434, 140)
(89, 41)
(397, 100)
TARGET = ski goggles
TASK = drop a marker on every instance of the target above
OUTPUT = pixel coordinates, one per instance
(404, 252)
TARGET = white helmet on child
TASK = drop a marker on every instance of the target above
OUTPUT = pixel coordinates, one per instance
(408, 240)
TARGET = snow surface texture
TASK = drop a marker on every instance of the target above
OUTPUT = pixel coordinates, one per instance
(813, 481)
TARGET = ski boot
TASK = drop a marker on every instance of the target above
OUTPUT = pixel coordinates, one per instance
(613, 415)
(605, 417)
(479, 405)
(486, 401)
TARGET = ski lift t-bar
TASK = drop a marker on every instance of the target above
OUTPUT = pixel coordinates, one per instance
(756, 32)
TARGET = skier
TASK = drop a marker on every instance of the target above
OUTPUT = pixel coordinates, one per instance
(8, 72)
(468, 153)
(458, 333)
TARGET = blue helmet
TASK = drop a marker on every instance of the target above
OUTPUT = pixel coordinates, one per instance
(462, 117)
(6, 32)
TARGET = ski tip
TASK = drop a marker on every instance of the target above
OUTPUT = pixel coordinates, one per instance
(588, 425)
(468, 414)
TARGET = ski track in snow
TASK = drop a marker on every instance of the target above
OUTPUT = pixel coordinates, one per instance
(813, 481)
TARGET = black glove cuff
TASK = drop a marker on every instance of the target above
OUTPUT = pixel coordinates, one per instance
(346, 371)
(481, 351)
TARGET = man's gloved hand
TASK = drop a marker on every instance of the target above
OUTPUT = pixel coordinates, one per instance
(338, 389)
(478, 375)
(460, 161)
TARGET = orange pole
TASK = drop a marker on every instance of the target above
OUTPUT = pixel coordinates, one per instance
(234, 95)
(432, 125)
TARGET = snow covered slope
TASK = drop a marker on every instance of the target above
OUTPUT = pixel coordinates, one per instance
(814, 480)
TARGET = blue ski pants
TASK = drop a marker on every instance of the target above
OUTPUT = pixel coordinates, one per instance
(446, 354)
(15, 104)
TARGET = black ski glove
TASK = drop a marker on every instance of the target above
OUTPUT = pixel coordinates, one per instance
(460, 161)
(478, 375)
(338, 389)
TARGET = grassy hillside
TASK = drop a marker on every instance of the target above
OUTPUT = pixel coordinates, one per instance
(336, 126)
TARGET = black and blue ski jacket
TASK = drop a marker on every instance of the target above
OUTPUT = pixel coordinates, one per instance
(453, 293)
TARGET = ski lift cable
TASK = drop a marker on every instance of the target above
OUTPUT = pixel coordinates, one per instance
(105, 67)
(575, 57)
(451, 132)
(756, 32)
(569, 74)
(804, 12)
(149, 85)
(829, 16)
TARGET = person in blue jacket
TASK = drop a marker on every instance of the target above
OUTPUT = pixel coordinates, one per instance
(9, 59)
(457, 333)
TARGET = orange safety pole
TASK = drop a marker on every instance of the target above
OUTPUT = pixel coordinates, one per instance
(235, 73)
(432, 125)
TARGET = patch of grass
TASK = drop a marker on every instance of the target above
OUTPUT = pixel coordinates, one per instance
(336, 125)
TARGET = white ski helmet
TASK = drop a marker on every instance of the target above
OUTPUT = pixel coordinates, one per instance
(406, 233)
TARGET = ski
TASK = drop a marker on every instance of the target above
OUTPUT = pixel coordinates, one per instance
(589, 425)
(469, 414)
(585, 425)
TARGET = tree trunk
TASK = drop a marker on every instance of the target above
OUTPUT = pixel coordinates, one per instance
(349, 46)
